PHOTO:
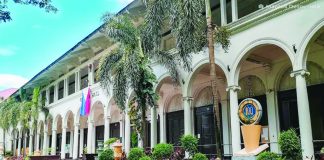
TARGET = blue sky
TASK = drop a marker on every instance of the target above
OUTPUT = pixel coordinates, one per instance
(35, 38)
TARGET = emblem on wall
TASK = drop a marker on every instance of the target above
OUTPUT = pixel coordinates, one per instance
(250, 111)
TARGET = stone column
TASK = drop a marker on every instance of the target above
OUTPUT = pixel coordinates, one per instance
(91, 73)
(45, 152)
(63, 144)
(77, 80)
(187, 115)
(122, 131)
(53, 151)
(234, 10)
(153, 126)
(81, 141)
(272, 119)
(75, 142)
(225, 124)
(30, 142)
(37, 140)
(223, 12)
(19, 143)
(66, 87)
(89, 138)
(305, 124)
(93, 148)
(47, 96)
(56, 88)
(127, 133)
(25, 144)
(163, 137)
(107, 128)
(71, 143)
(235, 123)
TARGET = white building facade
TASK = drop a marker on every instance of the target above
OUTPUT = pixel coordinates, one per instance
(276, 56)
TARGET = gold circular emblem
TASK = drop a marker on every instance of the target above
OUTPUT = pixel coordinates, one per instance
(250, 111)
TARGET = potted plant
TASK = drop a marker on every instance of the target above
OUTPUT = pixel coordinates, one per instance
(322, 153)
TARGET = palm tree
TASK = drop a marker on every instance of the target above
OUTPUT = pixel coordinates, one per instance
(128, 67)
(186, 21)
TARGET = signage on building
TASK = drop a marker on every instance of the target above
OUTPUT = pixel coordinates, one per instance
(250, 111)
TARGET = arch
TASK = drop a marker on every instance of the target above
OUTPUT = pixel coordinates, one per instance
(114, 112)
(40, 126)
(68, 114)
(160, 80)
(308, 38)
(245, 52)
(56, 120)
(98, 105)
(197, 67)
(257, 86)
(173, 102)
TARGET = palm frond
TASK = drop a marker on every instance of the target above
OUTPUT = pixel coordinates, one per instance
(120, 85)
(168, 60)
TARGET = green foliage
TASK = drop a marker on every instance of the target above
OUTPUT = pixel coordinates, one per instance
(107, 154)
(111, 141)
(134, 139)
(222, 36)
(269, 156)
(145, 158)
(8, 153)
(199, 156)
(289, 144)
(162, 151)
(322, 150)
(5, 12)
(135, 154)
(189, 143)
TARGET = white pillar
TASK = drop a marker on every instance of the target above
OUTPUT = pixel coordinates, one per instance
(162, 127)
(187, 115)
(235, 123)
(66, 87)
(25, 144)
(107, 128)
(37, 140)
(89, 138)
(223, 12)
(45, 146)
(122, 131)
(77, 80)
(91, 74)
(30, 142)
(47, 96)
(93, 139)
(56, 88)
(305, 124)
(75, 142)
(63, 144)
(272, 120)
(225, 124)
(19, 143)
(234, 10)
(81, 141)
(53, 151)
(127, 134)
(71, 143)
(140, 142)
(153, 126)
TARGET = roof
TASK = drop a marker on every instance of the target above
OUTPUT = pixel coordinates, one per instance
(7, 92)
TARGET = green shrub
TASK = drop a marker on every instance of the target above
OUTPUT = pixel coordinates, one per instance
(289, 144)
(322, 150)
(135, 154)
(162, 151)
(110, 141)
(134, 139)
(199, 156)
(268, 156)
(8, 153)
(145, 158)
(190, 144)
(107, 154)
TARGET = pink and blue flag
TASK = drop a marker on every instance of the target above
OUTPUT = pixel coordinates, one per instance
(88, 102)
(82, 109)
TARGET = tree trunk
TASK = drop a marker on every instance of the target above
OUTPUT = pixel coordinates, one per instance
(210, 31)
(144, 133)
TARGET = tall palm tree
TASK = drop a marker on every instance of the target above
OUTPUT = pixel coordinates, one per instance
(128, 67)
(186, 21)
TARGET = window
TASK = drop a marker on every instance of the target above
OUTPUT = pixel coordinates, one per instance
(51, 100)
(61, 90)
(71, 82)
(43, 100)
(96, 69)
(84, 78)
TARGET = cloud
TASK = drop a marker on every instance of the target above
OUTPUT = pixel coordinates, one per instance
(11, 81)
(124, 2)
(8, 51)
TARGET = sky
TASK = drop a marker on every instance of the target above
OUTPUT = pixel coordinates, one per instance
(35, 38)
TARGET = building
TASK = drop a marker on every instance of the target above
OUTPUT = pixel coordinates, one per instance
(276, 56)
